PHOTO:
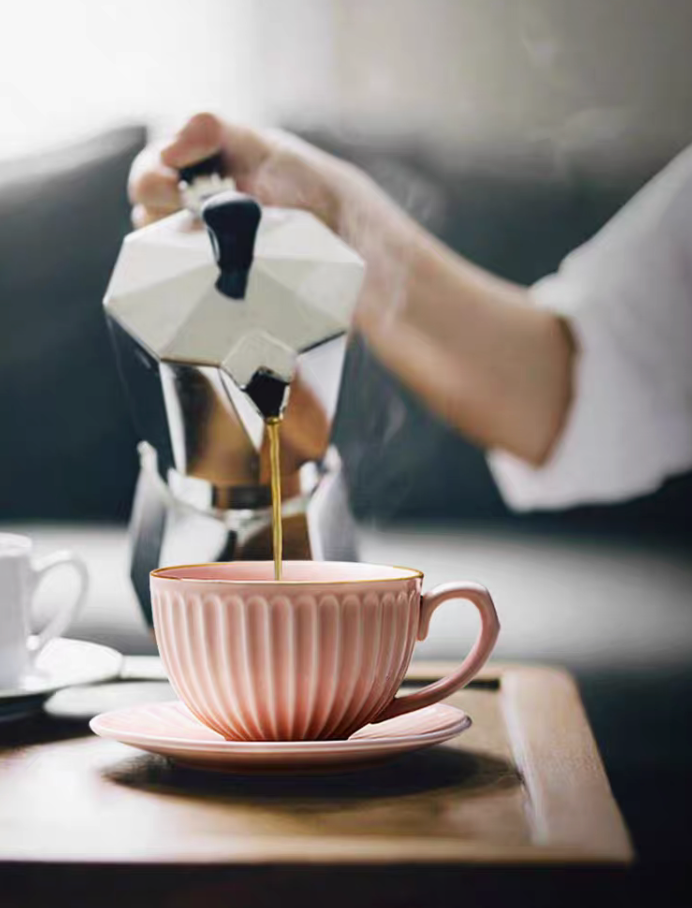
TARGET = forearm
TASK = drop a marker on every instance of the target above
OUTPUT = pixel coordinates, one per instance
(472, 347)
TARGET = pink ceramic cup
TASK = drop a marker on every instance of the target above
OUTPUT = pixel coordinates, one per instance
(316, 655)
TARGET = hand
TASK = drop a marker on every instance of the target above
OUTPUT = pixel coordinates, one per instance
(275, 167)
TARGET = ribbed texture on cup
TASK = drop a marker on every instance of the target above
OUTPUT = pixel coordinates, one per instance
(254, 667)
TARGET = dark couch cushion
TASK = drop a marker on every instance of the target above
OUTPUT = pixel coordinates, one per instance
(68, 450)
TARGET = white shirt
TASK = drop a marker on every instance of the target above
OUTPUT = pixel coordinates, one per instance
(627, 294)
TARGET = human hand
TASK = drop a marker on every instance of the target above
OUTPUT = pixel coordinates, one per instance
(275, 167)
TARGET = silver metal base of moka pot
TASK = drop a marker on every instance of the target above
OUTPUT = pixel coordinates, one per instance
(168, 526)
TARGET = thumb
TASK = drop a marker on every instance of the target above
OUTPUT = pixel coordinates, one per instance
(199, 138)
(244, 150)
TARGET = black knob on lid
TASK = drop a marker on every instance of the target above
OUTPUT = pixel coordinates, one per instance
(205, 168)
(232, 220)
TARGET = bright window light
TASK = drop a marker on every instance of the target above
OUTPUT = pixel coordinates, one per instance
(69, 67)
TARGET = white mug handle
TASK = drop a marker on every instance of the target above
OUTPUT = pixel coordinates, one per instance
(65, 614)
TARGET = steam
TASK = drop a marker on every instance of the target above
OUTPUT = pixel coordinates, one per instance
(383, 454)
(584, 123)
(373, 429)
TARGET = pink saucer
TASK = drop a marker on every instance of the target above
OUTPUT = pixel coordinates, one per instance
(171, 730)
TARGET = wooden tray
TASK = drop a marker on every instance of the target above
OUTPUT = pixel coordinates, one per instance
(524, 787)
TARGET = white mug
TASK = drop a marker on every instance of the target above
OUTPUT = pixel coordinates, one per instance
(20, 576)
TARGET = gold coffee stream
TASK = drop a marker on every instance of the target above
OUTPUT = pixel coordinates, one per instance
(273, 426)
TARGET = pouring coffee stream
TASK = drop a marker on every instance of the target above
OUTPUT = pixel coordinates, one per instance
(273, 426)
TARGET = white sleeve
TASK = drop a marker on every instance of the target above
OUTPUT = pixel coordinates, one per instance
(627, 295)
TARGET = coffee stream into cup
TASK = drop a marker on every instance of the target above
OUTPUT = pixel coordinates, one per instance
(269, 394)
(273, 426)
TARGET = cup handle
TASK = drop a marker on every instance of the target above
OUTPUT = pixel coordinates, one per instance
(487, 636)
(64, 616)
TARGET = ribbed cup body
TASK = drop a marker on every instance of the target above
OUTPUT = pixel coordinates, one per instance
(282, 661)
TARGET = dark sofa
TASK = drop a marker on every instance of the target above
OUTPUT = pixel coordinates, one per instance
(68, 445)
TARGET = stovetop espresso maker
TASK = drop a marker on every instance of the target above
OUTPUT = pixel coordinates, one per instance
(222, 315)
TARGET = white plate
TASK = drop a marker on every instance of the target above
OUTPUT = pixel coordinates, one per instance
(63, 663)
(171, 730)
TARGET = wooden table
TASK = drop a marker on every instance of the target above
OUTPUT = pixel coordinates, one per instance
(518, 804)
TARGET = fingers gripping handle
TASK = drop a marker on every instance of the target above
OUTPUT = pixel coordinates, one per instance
(487, 636)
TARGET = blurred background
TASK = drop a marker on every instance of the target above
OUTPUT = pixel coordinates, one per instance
(513, 129)
(449, 69)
